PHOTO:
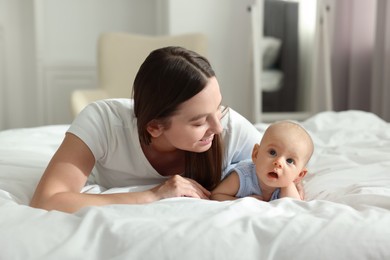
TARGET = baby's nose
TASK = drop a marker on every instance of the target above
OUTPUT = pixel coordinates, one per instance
(277, 164)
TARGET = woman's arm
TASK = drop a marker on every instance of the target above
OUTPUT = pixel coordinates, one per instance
(67, 174)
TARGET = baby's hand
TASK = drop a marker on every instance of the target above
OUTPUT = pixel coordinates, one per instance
(259, 197)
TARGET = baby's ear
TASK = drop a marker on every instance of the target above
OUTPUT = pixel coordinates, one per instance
(301, 175)
(255, 151)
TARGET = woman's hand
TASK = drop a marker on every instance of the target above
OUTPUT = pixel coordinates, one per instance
(178, 186)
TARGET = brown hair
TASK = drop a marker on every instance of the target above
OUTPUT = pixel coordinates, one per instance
(168, 77)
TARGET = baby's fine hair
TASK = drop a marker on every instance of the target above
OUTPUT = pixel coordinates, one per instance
(298, 126)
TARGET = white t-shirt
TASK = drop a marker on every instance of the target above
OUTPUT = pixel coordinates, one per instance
(109, 129)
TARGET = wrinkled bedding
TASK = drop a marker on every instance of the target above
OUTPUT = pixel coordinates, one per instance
(346, 214)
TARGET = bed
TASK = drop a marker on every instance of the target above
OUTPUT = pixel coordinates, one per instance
(346, 214)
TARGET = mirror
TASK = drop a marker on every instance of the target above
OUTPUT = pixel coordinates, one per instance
(280, 59)
(286, 52)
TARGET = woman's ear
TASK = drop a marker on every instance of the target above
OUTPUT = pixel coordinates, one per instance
(255, 151)
(154, 128)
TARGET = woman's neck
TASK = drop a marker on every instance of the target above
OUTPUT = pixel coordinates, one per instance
(165, 161)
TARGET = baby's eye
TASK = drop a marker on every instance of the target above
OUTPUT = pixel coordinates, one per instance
(272, 152)
(290, 161)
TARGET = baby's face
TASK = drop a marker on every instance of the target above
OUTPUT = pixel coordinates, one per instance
(281, 157)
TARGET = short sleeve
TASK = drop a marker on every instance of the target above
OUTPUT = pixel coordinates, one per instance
(89, 127)
(96, 124)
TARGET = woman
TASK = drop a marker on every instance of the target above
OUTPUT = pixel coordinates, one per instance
(175, 135)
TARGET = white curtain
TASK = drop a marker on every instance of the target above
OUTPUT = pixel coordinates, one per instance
(322, 86)
(380, 89)
(360, 56)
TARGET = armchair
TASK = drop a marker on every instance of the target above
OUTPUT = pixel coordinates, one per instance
(119, 57)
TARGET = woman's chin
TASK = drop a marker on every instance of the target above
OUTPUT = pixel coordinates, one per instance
(202, 147)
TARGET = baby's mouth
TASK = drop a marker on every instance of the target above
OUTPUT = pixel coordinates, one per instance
(273, 175)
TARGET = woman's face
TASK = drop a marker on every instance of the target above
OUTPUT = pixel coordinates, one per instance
(196, 122)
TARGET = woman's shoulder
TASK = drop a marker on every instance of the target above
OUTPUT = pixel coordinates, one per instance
(234, 123)
(111, 109)
(107, 112)
(114, 104)
(103, 123)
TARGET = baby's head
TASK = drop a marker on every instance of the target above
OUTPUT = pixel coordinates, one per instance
(291, 135)
(283, 153)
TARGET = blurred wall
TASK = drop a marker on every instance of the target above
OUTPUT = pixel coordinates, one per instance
(48, 48)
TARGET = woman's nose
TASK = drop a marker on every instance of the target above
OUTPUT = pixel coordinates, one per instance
(216, 126)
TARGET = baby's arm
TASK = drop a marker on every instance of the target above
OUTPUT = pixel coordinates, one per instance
(290, 191)
(227, 189)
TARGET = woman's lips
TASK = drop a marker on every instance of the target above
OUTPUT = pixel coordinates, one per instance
(207, 140)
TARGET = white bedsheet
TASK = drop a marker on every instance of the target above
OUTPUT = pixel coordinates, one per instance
(346, 214)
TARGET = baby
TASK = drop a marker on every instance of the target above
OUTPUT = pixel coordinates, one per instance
(278, 163)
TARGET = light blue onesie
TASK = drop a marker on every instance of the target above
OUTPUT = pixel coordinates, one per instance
(249, 184)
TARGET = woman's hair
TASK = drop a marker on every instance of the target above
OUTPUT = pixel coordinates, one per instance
(168, 77)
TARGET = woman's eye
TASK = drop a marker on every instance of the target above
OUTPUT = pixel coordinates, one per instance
(290, 161)
(199, 124)
(272, 152)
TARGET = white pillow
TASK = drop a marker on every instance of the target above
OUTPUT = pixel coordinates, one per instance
(270, 51)
(271, 80)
